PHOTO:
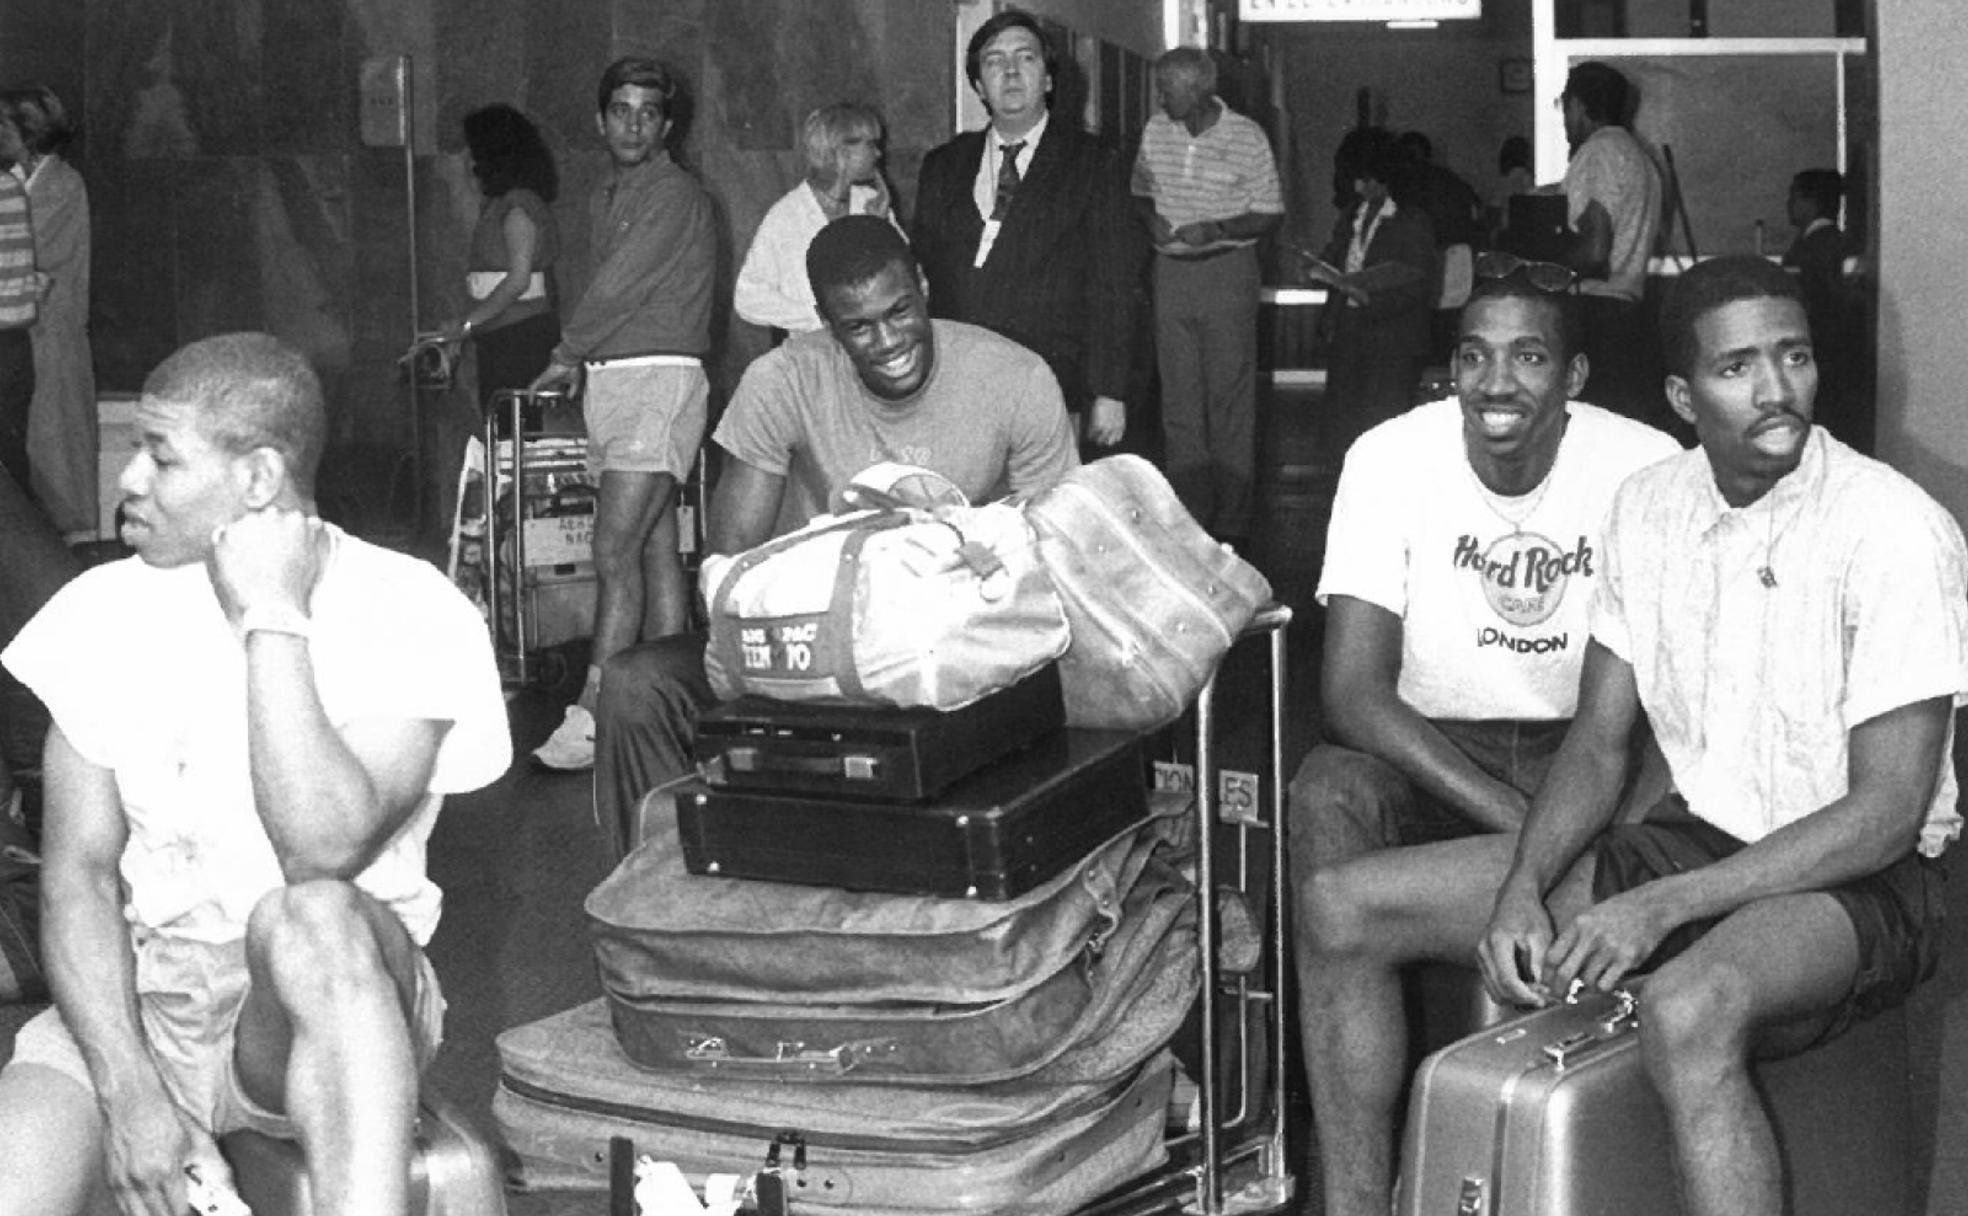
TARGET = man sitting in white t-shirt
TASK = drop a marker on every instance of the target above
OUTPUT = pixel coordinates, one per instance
(1463, 548)
(256, 719)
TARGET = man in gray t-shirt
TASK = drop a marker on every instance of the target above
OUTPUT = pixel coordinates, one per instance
(882, 382)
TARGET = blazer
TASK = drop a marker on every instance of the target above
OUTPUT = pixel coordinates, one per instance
(1066, 275)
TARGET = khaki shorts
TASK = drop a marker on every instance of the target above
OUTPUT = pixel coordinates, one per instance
(188, 996)
(645, 414)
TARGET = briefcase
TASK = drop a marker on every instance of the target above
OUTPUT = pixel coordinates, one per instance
(869, 751)
(993, 835)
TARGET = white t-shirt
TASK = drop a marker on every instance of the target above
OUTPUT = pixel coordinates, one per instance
(1493, 615)
(145, 677)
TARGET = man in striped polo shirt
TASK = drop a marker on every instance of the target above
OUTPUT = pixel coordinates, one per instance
(1214, 185)
(20, 293)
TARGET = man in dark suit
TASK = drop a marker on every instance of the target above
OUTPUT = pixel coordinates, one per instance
(1026, 228)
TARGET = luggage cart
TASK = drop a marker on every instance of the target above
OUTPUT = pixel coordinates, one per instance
(1237, 1162)
(523, 414)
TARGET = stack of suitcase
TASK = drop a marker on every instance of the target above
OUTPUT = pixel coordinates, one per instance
(885, 961)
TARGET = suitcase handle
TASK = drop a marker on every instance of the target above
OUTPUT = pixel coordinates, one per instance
(846, 768)
(711, 1051)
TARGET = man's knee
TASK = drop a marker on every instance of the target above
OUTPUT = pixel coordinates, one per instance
(316, 937)
(1696, 1018)
(1335, 911)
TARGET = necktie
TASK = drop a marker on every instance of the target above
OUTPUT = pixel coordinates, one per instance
(1007, 179)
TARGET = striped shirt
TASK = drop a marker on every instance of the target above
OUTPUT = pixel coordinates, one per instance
(19, 292)
(1225, 172)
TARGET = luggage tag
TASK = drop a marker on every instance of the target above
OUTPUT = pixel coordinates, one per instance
(662, 1190)
(212, 1196)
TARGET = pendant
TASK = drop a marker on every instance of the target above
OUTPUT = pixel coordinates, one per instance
(1766, 576)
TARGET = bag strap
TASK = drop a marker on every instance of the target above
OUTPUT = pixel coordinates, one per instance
(724, 642)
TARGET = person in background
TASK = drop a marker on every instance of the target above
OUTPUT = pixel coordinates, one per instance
(61, 425)
(1455, 213)
(512, 321)
(1025, 228)
(1380, 267)
(1613, 204)
(843, 177)
(20, 296)
(1818, 258)
(1208, 173)
(641, 330)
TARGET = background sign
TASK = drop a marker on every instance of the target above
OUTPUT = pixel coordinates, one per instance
(1359, 10)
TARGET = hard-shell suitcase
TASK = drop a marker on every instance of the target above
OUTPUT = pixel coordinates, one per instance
(924, 1043)
(1551, 1114)
(876, 752)
(453, 1170)
(566, 1092)
(1548, 1114)
(994, 835)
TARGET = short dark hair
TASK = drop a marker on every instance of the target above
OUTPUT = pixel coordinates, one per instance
(1601, 90)
(1708, 286)
(652, 74)
(1824, 187)
(1518, 286)
(40, 117)
(1191, 59)
(1008, 19)
(252, 390)
(507, 151)
(852, 250)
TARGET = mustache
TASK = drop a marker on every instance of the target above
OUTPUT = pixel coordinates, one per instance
(1781, 415)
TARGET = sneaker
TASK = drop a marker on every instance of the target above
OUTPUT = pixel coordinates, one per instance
(571, 748)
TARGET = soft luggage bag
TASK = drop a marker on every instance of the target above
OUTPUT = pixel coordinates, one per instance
(657, 928)
(907, 607)
(566, 1091)
(994, 835)
(937, 1043)
(1153, 602)
(872, 752)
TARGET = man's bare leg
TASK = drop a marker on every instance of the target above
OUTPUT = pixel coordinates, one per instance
(627, 509)
(666, 605)
(1358, 924)
(52, 1160)
(1775, 967)
(324, 1036)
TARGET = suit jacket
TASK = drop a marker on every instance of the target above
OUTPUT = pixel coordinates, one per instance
(1394, 320)
(1065, 277)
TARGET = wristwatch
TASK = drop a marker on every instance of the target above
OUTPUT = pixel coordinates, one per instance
(258, 619)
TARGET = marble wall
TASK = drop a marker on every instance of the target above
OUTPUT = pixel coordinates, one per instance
(232, 188)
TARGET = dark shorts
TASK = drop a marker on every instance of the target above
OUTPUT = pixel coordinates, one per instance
(1897, 912)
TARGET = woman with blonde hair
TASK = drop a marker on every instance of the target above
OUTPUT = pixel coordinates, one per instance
(843, 177)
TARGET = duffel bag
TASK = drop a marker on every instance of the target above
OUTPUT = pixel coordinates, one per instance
(660, 930)
(1153, 602)
(922, 1043)
(930, 607)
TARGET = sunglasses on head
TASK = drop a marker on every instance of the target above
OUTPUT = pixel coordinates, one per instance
(1545, 276)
